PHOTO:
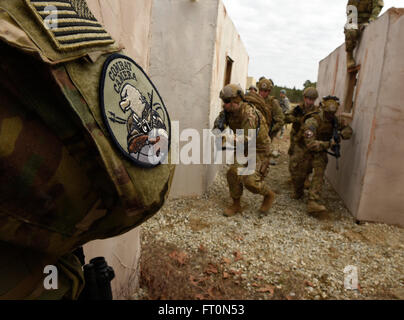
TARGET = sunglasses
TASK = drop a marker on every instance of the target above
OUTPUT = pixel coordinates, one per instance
(227, 100)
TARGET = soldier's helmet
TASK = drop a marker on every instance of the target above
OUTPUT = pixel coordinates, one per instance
(253, 88)
(231, 91)
(265, 84)
(330, 104)
(310, 93)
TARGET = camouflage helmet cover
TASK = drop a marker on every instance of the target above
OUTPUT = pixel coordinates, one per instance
(330, 104)
(310, 93)
(265, 84)
(231, 91)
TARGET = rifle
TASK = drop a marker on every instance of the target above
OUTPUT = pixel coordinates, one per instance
(297, 111)
(98, 276)
(221, 121)
(336, 148)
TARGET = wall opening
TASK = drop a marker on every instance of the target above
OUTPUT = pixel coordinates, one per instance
(351, 93)
(229, 67)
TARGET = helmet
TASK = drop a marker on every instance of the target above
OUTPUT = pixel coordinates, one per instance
(283, 91)
(265, 84)
(253, 88)
(231, 91)
(330, 104)
(310, 93)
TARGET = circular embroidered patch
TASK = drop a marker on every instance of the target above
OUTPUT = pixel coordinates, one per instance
(134, 112)
(309, 134)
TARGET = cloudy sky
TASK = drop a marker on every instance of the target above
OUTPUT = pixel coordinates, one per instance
(286, 39)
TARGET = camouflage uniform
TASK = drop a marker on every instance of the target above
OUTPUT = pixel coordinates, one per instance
(312, 142)
(62, 180)
(272, 104)
(247, 117)
(295, 117)
(278, 117)
(285, 106)
(368, 11)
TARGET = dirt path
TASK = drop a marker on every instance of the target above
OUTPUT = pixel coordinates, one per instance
(191, 251)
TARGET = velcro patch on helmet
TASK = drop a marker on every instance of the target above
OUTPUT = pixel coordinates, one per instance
(134, 112)
(69, 23)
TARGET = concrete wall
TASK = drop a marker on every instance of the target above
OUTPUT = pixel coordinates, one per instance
(371, 175)
(190, 42)
(129, 22)
(183, 38)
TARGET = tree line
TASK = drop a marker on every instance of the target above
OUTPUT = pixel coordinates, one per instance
(294, 95)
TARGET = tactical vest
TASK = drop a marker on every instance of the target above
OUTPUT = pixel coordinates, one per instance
(63, 179)
(262, 142)
(296, 126)
(324, 129)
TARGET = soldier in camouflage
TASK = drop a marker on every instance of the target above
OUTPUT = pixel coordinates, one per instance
(295, 117)
(285, 105)
(252, 97)
(63, 182)
(242, 115)
(368, 11)
(313, 141)
(277, 118)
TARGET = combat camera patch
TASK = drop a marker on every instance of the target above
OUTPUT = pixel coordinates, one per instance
(69, 23)
(134, 112)
(309, 134)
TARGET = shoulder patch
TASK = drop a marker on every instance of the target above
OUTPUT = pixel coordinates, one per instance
(309, 134)
(134, 112)
(69, 23)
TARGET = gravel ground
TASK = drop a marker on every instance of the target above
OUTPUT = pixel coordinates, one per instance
(286, 254)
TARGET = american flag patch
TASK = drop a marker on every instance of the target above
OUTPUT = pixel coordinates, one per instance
(70, 23)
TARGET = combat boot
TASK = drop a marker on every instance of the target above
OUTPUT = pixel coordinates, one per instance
(350, 61)
(314, 207)
(233, 209)
(267, 202)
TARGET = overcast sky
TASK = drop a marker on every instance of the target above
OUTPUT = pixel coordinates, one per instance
(286, 39)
